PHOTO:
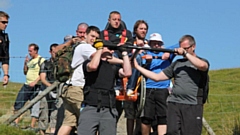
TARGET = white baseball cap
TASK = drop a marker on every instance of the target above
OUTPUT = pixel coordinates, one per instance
(155, 37)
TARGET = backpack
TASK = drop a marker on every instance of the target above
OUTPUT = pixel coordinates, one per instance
(39, 61)
(62, 63)
(205, 86)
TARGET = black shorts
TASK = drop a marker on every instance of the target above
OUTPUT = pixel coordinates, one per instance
(130, 109)
(186, 117)
(155, 104)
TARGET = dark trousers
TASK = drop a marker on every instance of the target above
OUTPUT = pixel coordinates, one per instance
(93, 119)
(184, 119)
(26, 93)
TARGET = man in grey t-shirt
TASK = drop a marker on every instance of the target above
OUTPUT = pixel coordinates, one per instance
(185, 106)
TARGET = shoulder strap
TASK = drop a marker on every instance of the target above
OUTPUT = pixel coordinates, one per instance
(124, 35)
(105, 32)
(39, 61)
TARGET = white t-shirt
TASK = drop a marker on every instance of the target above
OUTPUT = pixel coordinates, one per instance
(82, 52)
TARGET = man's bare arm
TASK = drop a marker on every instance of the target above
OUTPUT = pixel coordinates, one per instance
(43, 79)
(5, 68)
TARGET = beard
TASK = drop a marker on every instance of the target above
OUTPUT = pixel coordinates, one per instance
(141, 35)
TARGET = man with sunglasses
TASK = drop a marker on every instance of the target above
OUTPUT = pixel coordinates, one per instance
(4, 46)
(185, 103)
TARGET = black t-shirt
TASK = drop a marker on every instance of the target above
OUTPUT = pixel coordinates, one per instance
(47, 67)
(100, 81)
(4, 48)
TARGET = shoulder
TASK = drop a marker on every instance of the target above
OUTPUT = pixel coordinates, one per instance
(41, 58)
(86, 47)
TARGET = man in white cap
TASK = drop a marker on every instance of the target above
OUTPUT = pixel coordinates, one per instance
(156, 92)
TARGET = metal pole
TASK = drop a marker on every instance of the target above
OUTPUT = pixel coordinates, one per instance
(31, 103)
(115, 47)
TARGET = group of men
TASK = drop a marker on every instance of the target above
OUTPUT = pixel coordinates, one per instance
(97, 71)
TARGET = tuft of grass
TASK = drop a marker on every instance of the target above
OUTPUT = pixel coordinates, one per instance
(8, 130)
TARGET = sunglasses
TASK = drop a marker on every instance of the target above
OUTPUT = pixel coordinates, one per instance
(187, 47)
(4, 22)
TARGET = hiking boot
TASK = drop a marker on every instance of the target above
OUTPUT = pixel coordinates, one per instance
(14, 124)
(32, 129)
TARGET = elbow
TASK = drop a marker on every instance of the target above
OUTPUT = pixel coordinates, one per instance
(128, 74)
(155, 79)
(203, 66)
(92, 67)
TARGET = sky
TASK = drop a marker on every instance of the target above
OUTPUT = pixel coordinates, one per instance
(215, 24)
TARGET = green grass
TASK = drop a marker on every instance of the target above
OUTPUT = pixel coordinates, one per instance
(7, 130)
(7, 96)
(222, 112)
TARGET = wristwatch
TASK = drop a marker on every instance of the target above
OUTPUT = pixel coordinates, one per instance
(7, 75)
(185, 53)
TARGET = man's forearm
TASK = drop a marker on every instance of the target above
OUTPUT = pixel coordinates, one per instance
(5, 68)
(94, 63)
(115, 60)
(200, 64)
(68, 43)
(38, 79)
(25, 68)
(127, 69)
(43, 79)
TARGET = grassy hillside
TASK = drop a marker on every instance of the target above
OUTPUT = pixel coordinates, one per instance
(7, 96)
(222, 111)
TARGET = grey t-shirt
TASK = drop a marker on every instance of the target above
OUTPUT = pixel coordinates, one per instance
(186, 81)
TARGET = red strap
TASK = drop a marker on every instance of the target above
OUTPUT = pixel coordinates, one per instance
(105, 32)
(124, 35)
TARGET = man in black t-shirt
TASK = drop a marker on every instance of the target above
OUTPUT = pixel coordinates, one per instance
(4, 46)
(48, 109)
(116, 33)
(100, 112)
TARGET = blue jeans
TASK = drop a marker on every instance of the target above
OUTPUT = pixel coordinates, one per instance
(26, 93)
(132, 80)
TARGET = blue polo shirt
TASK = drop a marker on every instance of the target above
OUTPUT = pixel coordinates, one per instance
(156, 66)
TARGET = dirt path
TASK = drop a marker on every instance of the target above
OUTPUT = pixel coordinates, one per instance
(121, 127)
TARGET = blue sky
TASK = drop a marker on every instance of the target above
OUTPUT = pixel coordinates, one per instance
(213, 23)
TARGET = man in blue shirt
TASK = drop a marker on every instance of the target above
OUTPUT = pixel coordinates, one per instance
(156, 92)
